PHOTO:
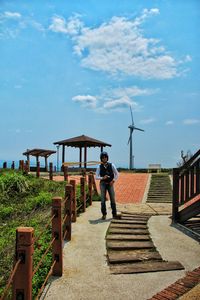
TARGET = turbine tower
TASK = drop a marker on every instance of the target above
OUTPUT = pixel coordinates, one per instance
(130, 140)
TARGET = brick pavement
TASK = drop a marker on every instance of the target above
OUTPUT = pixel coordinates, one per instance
(129, 188)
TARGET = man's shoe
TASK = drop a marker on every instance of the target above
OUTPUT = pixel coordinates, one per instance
(117, 216)
(103, 217)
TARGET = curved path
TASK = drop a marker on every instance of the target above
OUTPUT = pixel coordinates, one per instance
(86, 274)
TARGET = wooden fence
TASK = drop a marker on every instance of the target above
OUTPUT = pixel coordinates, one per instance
(186, 189)
(63, 213)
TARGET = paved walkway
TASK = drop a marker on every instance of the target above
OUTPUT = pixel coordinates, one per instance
(87, 276)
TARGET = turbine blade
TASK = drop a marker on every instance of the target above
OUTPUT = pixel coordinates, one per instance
(129, 139)
(138, 129)
(131, 115)
(131, 132)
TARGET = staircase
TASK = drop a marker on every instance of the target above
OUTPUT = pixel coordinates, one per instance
(160, 190)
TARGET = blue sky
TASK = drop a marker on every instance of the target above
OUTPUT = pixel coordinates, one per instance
(69, 68)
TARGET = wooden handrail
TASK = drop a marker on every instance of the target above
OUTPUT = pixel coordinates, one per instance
(186, 187)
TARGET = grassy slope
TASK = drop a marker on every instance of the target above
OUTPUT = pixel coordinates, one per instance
(25, 201)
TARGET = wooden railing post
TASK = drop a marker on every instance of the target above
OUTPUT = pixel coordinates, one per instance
(26, 167)
(90, 180)
(22, 282)
(94, 184)
(65, 170)
(57, 249)
(175, 203)
(51, 171)
(198, 177)
(83, 194)
(68, 211)
(74, 213)
(20, 165)
(38, 169)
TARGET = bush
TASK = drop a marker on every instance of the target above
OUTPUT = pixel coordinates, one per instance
(12, 183)
(6, 212)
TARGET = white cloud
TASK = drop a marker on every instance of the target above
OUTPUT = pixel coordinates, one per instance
(13, 22)
(148, 121)
(86, 100)
(11, 15)
(72, 27)
(169, 122)
(188, 58)
(119, 47)
(114, 99)
(191, 121)
(132, 91)
(119, 103)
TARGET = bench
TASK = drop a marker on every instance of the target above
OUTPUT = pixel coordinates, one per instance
(154, 168)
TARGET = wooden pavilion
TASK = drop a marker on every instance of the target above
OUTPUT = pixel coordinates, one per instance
(39, 153)
(81, 142)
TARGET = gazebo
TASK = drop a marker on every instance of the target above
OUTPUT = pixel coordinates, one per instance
(37, 153)
(81, 142)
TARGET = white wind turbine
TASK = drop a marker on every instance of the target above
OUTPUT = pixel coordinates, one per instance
(130, 140)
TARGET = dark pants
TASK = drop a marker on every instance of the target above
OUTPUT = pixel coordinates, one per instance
(107, 187)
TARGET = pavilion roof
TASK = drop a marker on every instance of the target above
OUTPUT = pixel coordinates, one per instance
(39, 152)
(81, 141)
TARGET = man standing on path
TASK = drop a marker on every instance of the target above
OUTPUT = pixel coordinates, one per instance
(107, 174)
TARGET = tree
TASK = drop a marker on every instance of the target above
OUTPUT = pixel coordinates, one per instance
(184, 158)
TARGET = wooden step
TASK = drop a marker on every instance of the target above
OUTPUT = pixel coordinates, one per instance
(127, 231)
(149, 266)
(128, 221)
(125, 245)
(128, 226)
(123, 217)
(132, 256)
(128, 237)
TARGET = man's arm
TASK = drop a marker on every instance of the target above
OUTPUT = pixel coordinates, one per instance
(98, 177)
(115, 172)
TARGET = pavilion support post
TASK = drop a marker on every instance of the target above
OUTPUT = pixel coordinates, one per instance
(63, 153)
(101, 148)
(13, 165)
(80, 157)
(46, 166)
(85, 157)
(38, 169)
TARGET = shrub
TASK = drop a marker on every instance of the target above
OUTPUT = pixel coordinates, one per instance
(13, 183)
(6, 212)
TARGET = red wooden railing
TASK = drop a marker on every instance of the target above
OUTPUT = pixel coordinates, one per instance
(64, 212)
(186, 190)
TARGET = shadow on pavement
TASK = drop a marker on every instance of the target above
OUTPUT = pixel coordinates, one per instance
(97, 221)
